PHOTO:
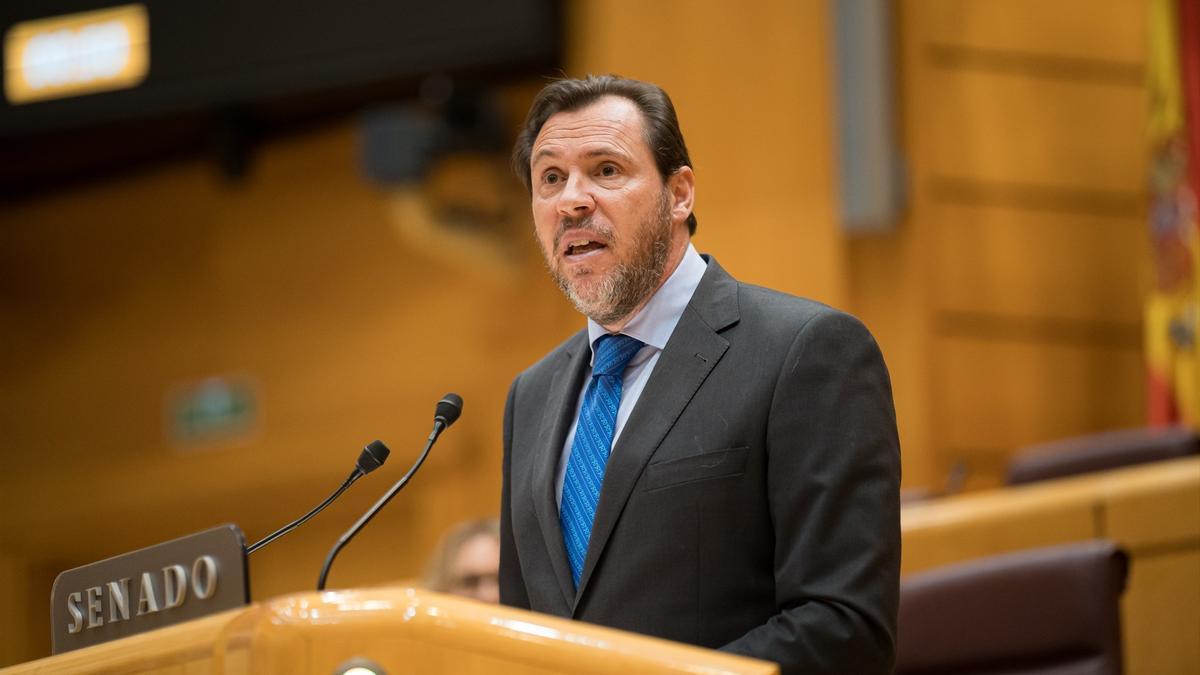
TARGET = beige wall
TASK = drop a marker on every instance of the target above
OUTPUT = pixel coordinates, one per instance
(353, 321)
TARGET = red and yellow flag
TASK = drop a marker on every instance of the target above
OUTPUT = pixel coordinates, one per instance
(1173, 308)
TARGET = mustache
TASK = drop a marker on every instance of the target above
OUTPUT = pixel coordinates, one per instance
(583, 223)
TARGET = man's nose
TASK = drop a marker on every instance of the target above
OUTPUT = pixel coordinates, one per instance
(576, 197)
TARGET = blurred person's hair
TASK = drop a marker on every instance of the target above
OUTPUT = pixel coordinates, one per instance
(663, 135)
(439, 571)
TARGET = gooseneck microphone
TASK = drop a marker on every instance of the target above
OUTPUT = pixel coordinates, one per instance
(372, 457)
(447, 412)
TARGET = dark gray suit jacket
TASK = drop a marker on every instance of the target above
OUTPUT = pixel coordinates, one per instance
(751, 502)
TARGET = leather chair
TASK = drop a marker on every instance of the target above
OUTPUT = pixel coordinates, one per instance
(1099, 452)
(1046, 611)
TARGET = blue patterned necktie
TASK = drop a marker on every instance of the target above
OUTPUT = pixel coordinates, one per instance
(593, 441)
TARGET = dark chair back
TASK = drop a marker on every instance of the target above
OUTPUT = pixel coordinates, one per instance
(1047, 611)
(1099, 452)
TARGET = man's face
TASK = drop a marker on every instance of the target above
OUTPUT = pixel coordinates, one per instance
(604, 219)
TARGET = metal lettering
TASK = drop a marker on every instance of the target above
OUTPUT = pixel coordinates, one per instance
(174, 585)
(118, 600)
(158, 586)
(76, 624)
(204, 577)
(94, 608)
(147, 601)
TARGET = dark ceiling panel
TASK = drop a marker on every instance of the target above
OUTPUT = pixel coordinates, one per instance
(261, 67)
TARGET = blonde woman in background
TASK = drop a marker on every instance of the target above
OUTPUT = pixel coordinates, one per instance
(467, 561)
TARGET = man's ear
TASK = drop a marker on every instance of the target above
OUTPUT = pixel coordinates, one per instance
(682, 186)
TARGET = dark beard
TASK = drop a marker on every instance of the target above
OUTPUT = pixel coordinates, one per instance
(628, 284)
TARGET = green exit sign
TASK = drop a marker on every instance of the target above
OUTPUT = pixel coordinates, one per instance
(212, 410)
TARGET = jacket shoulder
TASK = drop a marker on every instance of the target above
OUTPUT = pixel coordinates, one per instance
(546, 366)
(770, 309)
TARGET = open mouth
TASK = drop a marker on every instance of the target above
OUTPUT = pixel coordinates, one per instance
(580, 247)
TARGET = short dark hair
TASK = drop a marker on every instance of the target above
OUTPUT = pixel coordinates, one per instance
(662, 126)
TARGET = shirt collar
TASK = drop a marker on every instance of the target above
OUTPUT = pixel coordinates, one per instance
(656, 321)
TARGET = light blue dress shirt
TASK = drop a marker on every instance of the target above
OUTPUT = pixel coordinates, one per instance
(653, 325)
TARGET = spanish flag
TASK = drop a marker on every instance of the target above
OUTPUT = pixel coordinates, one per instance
(1173, 307)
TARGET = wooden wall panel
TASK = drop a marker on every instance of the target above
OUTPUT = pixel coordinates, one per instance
(296, 279)
(998, 395)
(890, 286)
(1161, 614)
(1023, 249)
(1161, 529)
(1153, 519)
(1104, 30)
(753, 90)
(21, 599)
(1018, 128)
(1025, 263)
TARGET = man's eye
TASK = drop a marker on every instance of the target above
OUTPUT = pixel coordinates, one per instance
(608, 170)
(550, 178)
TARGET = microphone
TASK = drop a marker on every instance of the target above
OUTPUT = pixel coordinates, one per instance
(372, 457)
(447, 412)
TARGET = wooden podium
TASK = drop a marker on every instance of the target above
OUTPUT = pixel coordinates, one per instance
(400, 630)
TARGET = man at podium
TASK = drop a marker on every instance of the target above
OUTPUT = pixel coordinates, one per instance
(707, 461)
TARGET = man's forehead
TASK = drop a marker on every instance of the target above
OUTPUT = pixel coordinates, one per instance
(610, 121)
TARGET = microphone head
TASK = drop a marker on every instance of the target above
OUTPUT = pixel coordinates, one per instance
(448, 409)
(372, 457)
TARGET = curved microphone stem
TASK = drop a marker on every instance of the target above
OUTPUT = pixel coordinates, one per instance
(354, 475)
(438, 427)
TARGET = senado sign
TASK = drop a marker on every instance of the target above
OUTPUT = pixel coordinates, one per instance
(152, 596)
(154, 587)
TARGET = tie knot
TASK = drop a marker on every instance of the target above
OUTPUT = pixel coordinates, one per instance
(613, 353)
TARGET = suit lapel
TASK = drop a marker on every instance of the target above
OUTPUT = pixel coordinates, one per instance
(558, 414)
(692, 352)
